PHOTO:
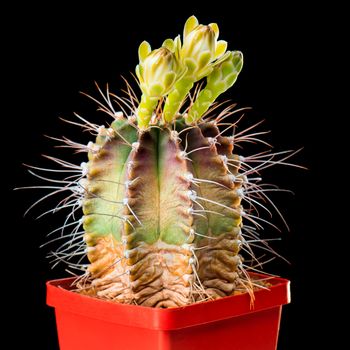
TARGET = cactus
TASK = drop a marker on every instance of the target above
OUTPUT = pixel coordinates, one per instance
(163, 189)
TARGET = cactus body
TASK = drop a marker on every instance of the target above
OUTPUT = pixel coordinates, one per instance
(140, 220)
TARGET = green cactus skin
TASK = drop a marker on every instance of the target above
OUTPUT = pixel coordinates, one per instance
(163, 190)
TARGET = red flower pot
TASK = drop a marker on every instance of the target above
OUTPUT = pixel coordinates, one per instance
(228, 323)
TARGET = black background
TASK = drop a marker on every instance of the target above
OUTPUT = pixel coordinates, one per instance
(56, 52)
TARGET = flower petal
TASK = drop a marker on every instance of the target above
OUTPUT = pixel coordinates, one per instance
(169, 44)
(215, 28)
(204, 59)
(221, 47)
(144, 50)
(190, 24)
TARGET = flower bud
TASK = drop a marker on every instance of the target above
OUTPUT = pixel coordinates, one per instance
(201, 48)
(158, 72)
(201, 39)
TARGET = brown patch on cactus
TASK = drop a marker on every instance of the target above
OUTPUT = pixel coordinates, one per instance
(218, 263)
(107, 277)
(160, 274)
(157, 275)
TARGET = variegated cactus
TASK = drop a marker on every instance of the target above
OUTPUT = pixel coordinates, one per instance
(163, 190)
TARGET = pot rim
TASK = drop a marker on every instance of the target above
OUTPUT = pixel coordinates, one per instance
(60, 297)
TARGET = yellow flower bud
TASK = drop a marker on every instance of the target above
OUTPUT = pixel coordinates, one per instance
(158, 72)
(201, 48)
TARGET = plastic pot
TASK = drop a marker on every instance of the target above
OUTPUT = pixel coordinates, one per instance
(228, 323)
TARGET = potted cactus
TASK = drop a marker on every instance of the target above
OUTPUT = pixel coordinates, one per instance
(164, 195)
